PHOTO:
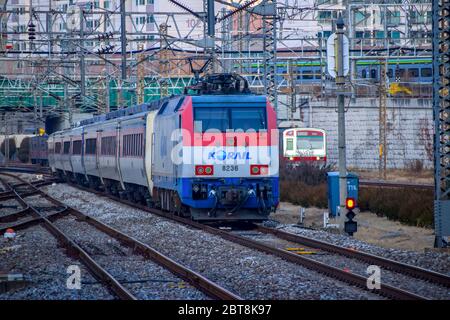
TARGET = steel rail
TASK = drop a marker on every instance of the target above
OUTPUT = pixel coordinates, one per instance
(195, 279)
(9, 194)
(74, 249)
(15, 215)
(348, 277)
(5, 192)
(26, 210)
(25, 169)
(396, 266)
(12, 195)
(31, 221)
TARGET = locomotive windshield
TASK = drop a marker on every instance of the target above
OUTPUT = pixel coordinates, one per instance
(224, 119)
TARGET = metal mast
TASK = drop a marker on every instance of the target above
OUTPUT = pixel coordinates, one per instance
(140, 84)
(270, 48)
(123, 39)
(382, 122)
(441, 113)
(163, 60)
(340, 84)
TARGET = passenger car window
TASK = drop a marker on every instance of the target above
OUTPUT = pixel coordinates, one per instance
(66, 147)
(76, 147)
(426, 72)
(91, 146)
(290, 144)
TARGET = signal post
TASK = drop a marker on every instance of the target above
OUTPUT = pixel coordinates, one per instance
(338, 67)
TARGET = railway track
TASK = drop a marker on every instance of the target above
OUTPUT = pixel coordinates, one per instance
(24, 168)
(393, 184)
(414, 271)
(420, 281)
(328, 270)
(48, 215)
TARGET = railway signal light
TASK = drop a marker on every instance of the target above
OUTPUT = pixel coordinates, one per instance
(350, 204)
(350, 226)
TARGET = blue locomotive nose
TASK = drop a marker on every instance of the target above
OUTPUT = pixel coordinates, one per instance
(255, 197)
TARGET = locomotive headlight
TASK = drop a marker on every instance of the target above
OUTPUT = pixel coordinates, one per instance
(195, 188)
(317, 158)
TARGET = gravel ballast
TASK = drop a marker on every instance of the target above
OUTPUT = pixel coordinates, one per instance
(246, 272)
(143, 278)
(35, 254)
(411, 284)
(439, 262)
(9, 206)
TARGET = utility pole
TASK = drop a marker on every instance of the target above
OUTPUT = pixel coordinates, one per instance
(123, 41)
(82, 62)
(140, 86)
(41, 106)
(107, 100)
(35, 110)
(382, 122)
(210, 23)
(292, 94)
(6, 142)
(163, 60)
(340, 83)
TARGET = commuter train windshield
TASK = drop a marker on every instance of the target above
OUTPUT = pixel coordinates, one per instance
(310, 142)
(224, 119)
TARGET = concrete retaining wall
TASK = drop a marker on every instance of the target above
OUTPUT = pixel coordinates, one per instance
(409, 123)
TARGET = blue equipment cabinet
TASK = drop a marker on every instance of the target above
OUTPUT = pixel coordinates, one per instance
(333, 190)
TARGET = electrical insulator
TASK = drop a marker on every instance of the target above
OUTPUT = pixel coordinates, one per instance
(31, 31)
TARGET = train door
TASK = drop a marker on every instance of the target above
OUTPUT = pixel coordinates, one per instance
(98, 154)
(70, 155)
(118, 152)
(83, 142)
